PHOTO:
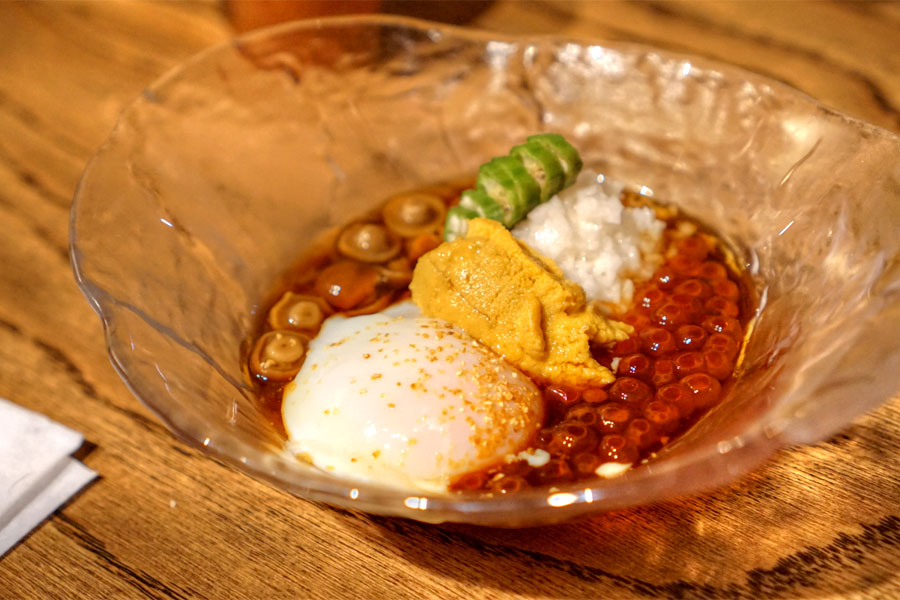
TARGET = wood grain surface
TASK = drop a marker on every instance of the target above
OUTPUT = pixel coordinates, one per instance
(163, 521)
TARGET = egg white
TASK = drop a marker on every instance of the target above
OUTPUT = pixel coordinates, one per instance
(406, 401)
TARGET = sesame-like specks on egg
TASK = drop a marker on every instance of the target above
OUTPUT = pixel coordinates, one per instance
(432, 424)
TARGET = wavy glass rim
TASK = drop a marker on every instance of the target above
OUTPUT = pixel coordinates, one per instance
(536, 506)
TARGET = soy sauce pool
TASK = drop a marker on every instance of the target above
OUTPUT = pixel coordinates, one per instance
(689, 323)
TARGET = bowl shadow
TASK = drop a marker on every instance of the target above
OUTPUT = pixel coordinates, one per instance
(767, 535)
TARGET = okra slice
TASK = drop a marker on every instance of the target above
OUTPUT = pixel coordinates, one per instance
(568, 156)
(482, 204)
(542, 165)
(507, 182)
(457, 223)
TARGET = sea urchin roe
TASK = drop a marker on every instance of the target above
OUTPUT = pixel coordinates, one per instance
(517, 303)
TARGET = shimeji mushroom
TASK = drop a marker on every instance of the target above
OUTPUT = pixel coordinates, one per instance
(368, 242)
(298, 311)
(278, 355)
(348, 284)
(409, 215)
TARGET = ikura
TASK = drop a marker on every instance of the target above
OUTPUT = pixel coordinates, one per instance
(671, 371)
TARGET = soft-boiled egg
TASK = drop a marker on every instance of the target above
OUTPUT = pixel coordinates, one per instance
(406, 401)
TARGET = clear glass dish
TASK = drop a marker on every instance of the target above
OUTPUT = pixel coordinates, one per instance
(215, 181)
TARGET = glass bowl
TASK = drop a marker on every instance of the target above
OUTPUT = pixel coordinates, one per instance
(223, 172)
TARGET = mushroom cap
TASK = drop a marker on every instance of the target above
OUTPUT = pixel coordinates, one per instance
(278, 355)
(368, 242)
(408, 215)
(298, 311)
(347, 284)
(395, 276)
(377, 305)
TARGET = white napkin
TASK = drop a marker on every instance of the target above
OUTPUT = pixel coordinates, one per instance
(36, 472)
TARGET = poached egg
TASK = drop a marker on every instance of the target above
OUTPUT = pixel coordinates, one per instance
(406, 401)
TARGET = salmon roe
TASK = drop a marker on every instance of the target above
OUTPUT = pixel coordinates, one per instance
(669, 373)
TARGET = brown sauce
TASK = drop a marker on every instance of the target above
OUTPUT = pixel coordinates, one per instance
(689, 321)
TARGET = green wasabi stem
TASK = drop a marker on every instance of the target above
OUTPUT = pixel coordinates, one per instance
(542, 165)
(482, 204)
(457, 223)
(568, 156)
(506, 181)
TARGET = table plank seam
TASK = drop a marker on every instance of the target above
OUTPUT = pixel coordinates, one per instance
(133, 576)
(77, 376)
(879, 95)
(33, 122)
(30, 180)
(798, 569)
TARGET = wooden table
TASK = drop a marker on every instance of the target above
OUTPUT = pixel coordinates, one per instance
(166, 522)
